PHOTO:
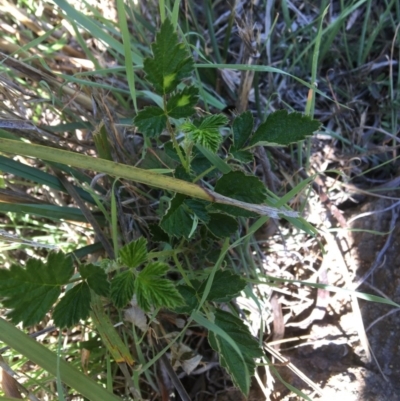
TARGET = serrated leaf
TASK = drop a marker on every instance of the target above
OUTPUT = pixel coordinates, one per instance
(181, 104)
(189, 296)
(134, 253)
(158, 234)
(222, 225)
(171, 62)
(153, 291)
(225, 286)
(122, 288)
(199, 208)
(229, 358)
(74, 306)
(151, 121)
(281, 129)
(205, 132)
(177, 221)
(213, 122)
(242, 129)
(240, 186)
(30, 292)
(96, 278)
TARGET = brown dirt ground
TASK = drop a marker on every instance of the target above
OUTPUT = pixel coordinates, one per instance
(334, 357)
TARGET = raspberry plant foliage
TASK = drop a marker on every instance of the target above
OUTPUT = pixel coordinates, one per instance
(201, 148)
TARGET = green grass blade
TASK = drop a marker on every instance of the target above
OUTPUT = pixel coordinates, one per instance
(127, 50)
(46, 359)
(262, 68)
(36, 42)
(200, 319)
(214, 159)
(175, 13)
(161, 5)
(48, 211)
(95, 29)
(33, 174)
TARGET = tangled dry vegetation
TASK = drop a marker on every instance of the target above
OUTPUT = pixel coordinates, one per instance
(63, 86)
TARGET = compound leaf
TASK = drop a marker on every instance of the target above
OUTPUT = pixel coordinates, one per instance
(240, 372)
(122, 288)
(242, 129)
(171, 62)
(154, 291)
(182, 103)
(151, 121)
(74, 306)
(205, 132)
(281, 129)
(30, 292)
(96, 278)
(134, 253)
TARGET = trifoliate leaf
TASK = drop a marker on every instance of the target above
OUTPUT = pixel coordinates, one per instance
(229, 358)
(199, 208)
(225, 286)
(134, 253)
(74, 306)
(171, 62)
(153, 291)
(222, 225)
(240, 186)
(151, 121)
(30, 292)
(205, 132)
(96, 278)
(181, 104)
(242, 129)
(122, 288)
(177, 221)
(281, 129)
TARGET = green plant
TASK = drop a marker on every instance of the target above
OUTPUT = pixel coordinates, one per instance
(198, 147)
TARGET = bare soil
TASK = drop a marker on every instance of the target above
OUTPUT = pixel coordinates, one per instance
(334, 357)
